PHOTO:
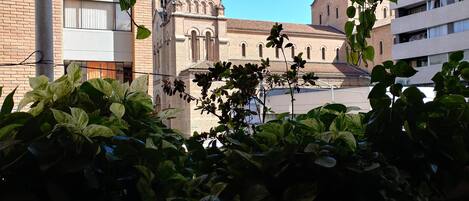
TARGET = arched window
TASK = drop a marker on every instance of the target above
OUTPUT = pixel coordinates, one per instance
(381, 47)
(308, 52)
(196, 5)
(194, 46)
(337, 13)
(320, 19)
(208, 47)
(323, 53)
(385, 13)
(243, 50)
(204, 8)
(189, 6)
(261, 53)
(292, 51)
(210, 8)
(277, 52)
(337, 54)
(328, 10)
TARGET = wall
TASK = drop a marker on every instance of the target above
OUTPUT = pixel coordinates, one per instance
(97, 45)
(381, 34)
(17, 41)
(319, 7)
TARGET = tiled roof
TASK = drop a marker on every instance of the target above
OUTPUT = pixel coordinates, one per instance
(325, 69)
(266, 26)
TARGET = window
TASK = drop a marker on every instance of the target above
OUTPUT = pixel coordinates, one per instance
(466, 55)
(277, 54)
(381, 47)
(337, 13)
(337, 51)
(328, 10)
(438, 31)
(194, 46)
(243, 50)
(98, 69)
(204, 8)
(308, 52)
(196, 4)
(438, 59)
(385, 13)
(208, 47)
(97, 15)
(293, 52)
(323, 53)
(320, 19)
(461, 26)
(260, 51)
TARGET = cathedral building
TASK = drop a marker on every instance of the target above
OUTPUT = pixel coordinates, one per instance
(190, 35)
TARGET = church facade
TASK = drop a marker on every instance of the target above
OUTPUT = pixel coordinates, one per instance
(190, 35)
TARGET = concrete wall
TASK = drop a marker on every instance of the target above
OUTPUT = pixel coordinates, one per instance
(431, 46)
(443, 15)
(97, 45)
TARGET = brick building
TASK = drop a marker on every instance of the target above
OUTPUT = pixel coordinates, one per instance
(94, 33)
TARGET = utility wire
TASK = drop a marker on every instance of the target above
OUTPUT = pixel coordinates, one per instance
(41, 61)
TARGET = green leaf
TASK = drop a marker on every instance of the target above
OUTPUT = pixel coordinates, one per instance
(248, 157)
(402, 69)
(369, 53)
(102, 86)
(127, 4)
(388, 64)
(396, 89)
(143, 32)
(167, 145)
(349, 26)
(378, 91)
(140, 84)
(351, 11)
(349, 139)
(117, 109)
(40, 82)
(218, 188)
(326, 161)
(378, 74)
(80, 117)
(456, 56)
(62, 117)
(465, 74)
(413, 95)
(169, 113)
(74, 73)
(8, 103)
(6, 130)
(301, 192)
(94, 130)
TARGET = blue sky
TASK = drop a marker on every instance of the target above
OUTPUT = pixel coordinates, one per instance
(294, 11)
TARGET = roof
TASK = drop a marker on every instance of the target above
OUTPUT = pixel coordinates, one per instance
(266, 26)
(320, 69)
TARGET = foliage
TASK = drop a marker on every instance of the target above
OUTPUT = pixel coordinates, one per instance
(142, 31)
(93, 141)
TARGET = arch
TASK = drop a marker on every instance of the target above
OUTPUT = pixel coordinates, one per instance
(208, 46)
(381, 48)
(260, 50)
(323, 52)
(196, 7)
(189, 31)
(243, 49)
(293, 51)
(204, 7)
(308, 52)
(188, 6)
(211, 8)
(194, 46)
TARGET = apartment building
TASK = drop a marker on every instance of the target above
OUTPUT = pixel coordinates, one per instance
(94, 33)
(426, 32)
(333, 13)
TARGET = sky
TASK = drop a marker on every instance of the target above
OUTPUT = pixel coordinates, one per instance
(293, 11)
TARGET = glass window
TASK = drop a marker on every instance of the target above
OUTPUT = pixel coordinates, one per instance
(466, 55)
(461, 26)
(123, 21)
(72, 14)
(438, 31)
(100, 69)
(438, 59)
(95, 15)
(323, 53)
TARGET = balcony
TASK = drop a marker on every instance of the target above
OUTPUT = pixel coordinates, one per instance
(432, 46)
(443, 15)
